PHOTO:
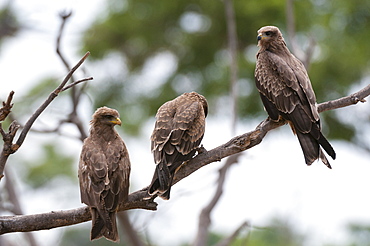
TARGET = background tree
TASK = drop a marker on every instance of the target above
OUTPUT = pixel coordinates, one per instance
(191, 38)
(146, 53)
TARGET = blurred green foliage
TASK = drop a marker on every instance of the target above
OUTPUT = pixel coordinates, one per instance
(47, 167)
(359, 233)
(278, 232)
(9, 24)
(191, 37)
(194, 32)
(81, 237)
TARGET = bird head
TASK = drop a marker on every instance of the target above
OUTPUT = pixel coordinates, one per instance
(205, 104)
(268, 34)
(106, 116)
(202, 100)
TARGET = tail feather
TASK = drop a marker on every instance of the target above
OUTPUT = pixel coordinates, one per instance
(324, 159)
(326, 146)
(311, 148)
(161, 182)
(166, 194)
(101, 226)
(97, 225)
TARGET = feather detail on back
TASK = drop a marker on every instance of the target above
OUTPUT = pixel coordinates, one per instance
(177, 133)
(286, 91)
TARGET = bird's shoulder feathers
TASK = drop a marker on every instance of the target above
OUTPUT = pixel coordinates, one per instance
(281, 77)
(104, 171)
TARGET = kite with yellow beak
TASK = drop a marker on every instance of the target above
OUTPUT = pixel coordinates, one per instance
(116, 121)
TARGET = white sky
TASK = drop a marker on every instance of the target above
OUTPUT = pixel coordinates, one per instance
(271, 179)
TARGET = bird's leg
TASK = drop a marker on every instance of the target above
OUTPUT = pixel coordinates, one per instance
(201, 149)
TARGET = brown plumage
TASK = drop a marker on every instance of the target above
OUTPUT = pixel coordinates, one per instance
(286, 92)
(177, 133)
(104, 172)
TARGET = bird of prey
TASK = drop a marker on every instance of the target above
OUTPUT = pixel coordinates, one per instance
(286, 92)
(104, 171)
(177, 133)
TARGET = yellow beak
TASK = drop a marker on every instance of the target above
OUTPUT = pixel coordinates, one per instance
(117, 121)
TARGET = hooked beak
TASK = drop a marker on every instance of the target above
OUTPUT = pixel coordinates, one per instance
(117, 121)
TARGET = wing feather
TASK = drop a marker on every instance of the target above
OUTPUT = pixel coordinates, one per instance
(179, 126)
(286, 91)
(286, 87)
(177, 133)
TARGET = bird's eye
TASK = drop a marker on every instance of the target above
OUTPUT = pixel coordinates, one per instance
(107, 116)
(268, 33)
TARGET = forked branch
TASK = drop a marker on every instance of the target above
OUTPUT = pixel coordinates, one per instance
(10, 148)
(23, 223)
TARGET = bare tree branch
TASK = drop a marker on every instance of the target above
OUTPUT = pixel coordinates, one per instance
(64, 15)
(7, 106)
(54, 219)
(8, 143)
(250, 139)
(137, 199)
(77, 82)
(205, 215)
(352, 99)
(304, 56)
(75, 93)
(10, 148)
(290, 24)
(233, 50)
(227, 241)
(51, 97)
(17, 209)
(133, 238)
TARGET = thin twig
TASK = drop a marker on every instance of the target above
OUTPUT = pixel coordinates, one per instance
(352, 99)
(10, 148)
(17, 209)
(51, 97)
(205, 215)
(76, 83)
(75, 92)
(7, 106)
(64, 16)
(228, 240)
(7, 146)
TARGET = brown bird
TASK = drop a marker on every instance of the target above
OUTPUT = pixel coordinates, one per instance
(286, 92)
(104, 171)
(177, 133)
